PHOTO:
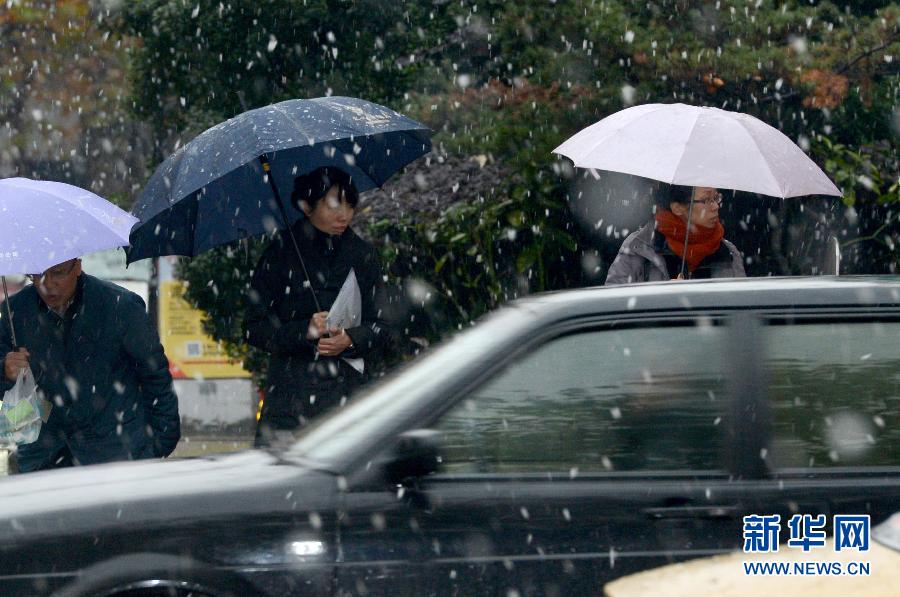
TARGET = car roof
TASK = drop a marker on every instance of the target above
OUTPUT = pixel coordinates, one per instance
(731, 293)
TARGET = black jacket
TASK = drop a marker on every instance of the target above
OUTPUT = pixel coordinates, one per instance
(300, 384)
(104, 372)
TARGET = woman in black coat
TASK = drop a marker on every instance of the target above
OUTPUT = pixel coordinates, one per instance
(307, 372)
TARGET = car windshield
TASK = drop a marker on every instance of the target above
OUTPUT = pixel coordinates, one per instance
(323, 441)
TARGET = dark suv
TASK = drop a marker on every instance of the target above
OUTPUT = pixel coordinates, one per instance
(568, 439)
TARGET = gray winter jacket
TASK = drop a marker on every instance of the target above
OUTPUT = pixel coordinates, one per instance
(638, 261)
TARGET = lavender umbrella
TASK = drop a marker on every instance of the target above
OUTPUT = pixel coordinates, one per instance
(43, 223)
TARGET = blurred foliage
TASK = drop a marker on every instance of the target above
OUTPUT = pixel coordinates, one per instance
(473, 257)
(869, 173)
(222, 58)
(218, 281)
(511, 81)
(869, 176)
(769, 59)
(63, 99)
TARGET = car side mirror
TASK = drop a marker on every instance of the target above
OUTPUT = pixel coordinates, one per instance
(416, 455)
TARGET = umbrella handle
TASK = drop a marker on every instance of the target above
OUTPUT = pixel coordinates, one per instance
(287, 224)
(12, 328)
(687, 233)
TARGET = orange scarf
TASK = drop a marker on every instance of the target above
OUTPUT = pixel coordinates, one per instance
(702, 242)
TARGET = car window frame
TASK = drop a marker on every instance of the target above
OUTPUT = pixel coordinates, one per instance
(367, 474)
(364, 471)
(588, 326)
(829, 316)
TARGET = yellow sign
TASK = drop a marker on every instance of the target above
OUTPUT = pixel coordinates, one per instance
(191, 353)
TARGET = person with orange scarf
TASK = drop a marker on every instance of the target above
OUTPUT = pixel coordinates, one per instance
(657, 251)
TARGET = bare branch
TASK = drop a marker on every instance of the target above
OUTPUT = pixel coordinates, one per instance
(867, 53)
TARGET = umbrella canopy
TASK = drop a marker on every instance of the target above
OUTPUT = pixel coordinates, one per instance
(43, 223)
(701, 147)
(214, 190)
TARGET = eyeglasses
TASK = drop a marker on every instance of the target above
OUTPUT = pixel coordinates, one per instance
(710, 201)
(54, 275)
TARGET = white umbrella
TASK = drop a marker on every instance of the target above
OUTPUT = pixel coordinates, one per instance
(699, 147)
(43, 223)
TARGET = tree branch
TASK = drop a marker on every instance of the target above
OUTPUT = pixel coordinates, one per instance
(867, 53)
(843, 69)
(874, 236)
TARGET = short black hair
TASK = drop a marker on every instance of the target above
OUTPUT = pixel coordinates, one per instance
(671, 193)
(312, 187)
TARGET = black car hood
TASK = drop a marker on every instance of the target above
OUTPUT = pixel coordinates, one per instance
(129, 493)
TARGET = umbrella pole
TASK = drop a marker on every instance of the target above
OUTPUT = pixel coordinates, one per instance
(12, 328)
(687, 234)
(287, 224)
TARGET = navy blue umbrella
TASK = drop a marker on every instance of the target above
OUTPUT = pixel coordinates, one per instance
(227, 183)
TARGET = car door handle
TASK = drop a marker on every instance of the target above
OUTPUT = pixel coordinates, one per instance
(705, 511)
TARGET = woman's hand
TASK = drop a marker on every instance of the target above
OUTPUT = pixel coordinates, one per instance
(333, 346)
(317, 328)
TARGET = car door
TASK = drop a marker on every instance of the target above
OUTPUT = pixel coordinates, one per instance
(596, 450)
(834, 386)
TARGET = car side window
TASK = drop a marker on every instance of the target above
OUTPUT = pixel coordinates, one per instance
(634, 399)
(835, 390)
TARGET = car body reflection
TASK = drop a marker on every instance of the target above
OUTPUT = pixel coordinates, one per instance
(565, 441)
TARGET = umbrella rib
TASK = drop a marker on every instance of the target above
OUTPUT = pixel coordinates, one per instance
(784, 192)
(619, 131)
(765, 159)
(259, 141)
(673, 176)
(298, 126)
(91, 211)
(743, 129)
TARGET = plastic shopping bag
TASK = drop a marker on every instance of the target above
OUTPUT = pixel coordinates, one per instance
(23, 411)
(346, 312)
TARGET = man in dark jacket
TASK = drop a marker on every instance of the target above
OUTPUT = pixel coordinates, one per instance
(308, 370)
(99, 362)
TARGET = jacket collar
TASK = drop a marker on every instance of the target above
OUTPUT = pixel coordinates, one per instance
(74, 306)
(641, 244)
(322, 243)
